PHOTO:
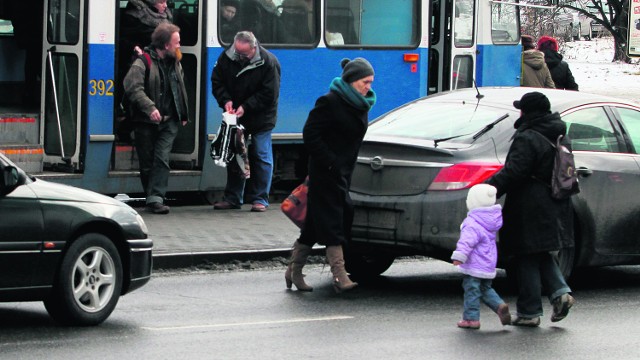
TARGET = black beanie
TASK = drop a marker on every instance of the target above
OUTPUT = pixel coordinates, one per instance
(533, 102)
(527, 42)
(355, 69)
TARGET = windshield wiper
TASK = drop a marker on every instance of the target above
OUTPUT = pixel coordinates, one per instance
(489, 126)
(477, 135)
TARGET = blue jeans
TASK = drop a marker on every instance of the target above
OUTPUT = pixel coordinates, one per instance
(153, 144)
(261, 167)
(535, 271)
(476, 289)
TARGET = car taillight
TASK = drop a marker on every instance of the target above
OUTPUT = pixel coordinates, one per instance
(463, 175)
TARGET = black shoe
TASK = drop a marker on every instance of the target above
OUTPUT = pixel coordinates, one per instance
(528, 322)
(158, 208)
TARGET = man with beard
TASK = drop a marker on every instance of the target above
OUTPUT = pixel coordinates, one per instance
(157, 93)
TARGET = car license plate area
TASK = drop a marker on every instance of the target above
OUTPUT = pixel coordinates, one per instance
(392, 181)
(375, 223)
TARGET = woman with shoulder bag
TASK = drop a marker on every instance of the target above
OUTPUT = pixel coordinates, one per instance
(332, 135)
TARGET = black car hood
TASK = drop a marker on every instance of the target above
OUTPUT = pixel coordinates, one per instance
(46, 190)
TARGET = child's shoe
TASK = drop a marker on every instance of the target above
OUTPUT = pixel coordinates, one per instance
(469, 324)
(503, 314)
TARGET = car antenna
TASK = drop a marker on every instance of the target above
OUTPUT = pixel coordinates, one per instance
(478, 96)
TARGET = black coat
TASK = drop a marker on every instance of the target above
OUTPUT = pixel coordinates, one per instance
(255, 86)
(332, 135)
(533, 221)
(560, 72)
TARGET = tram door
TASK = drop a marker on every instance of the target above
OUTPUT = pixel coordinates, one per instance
(62, 74)
(185, 155)
(188, 16)
(452, 44)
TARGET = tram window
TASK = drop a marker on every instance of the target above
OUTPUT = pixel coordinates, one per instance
(371, 22)
(504, 24)
(6, 28)
(63, 21)
(463, 23)
(185, 15)
(462, 72)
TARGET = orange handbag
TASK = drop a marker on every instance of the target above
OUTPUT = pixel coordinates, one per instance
(295, 205)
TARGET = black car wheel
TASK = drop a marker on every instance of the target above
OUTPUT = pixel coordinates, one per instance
(367, 265)
(88, 283)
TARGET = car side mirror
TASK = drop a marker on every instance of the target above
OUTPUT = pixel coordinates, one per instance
(9, 179)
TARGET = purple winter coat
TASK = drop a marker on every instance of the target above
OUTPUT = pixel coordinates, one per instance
(476, 248)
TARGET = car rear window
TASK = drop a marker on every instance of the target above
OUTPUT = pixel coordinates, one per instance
(430, 121)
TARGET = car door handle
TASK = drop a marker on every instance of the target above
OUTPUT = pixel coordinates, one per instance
(584, 171)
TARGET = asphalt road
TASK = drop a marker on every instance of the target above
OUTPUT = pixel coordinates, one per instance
(410, 313)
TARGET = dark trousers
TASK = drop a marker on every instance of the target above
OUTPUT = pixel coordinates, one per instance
(153, 144)
(535, 272)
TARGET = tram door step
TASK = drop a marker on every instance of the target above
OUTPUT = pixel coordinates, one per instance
(126, 158)
(28, 157)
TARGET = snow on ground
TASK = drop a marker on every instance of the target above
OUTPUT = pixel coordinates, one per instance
(591, 65)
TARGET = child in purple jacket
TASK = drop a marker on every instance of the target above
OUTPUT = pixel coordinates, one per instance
(476, 255)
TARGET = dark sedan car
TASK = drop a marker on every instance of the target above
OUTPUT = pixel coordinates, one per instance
(418, 161)
(76, 250)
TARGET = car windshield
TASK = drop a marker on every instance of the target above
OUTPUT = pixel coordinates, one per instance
(435, 121)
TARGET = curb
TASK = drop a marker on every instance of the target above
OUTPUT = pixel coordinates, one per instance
(179, 260)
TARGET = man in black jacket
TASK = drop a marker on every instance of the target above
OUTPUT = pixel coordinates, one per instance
(246, 82)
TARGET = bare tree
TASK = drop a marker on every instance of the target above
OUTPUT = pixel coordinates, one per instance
(611, 14)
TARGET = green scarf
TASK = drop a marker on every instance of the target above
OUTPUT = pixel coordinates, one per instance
(353, 97)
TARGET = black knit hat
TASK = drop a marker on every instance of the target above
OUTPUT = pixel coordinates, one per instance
(528, 42)
(533, 102)
(355, 69)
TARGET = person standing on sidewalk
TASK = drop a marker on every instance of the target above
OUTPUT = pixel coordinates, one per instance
(559, 69)
(535, 72)
(332, 136)
(246, 82)
(476, 256)
(536, 225)
(160, 103)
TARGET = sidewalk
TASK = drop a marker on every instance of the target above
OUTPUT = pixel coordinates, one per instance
(192, 235)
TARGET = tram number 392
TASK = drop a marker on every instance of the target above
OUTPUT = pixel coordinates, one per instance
(101, 87)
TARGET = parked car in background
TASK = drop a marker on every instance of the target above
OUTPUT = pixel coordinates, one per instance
(418, 161)
(76, 250)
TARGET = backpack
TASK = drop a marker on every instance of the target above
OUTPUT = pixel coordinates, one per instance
(125, 106)
(564, 178)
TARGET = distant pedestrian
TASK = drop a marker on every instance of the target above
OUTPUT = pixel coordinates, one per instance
(536, 225)
(160, 103)
(476, 256)
(246, 82)
(332, 135)
(535, 72)
(559, 69)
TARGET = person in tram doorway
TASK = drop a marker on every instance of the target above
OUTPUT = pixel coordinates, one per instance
(160, 104)
(332, 136)
(535, 225)
(246, 82)
(559, 69)
(535, 72)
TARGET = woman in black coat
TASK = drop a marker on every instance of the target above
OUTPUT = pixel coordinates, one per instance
(332, 135)
(535, 224)
(559, 69)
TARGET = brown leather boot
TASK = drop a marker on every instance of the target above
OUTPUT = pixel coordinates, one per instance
(293, 275)
(341, 281)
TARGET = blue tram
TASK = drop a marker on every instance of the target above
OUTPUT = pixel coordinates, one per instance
(66, 127)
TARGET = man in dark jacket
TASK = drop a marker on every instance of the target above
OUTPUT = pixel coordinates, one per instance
(160, 104)
(559, 69)
(246, 82)
(535, 225)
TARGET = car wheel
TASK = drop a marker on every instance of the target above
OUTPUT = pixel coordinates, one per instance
(88, 283)
(366, 265)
